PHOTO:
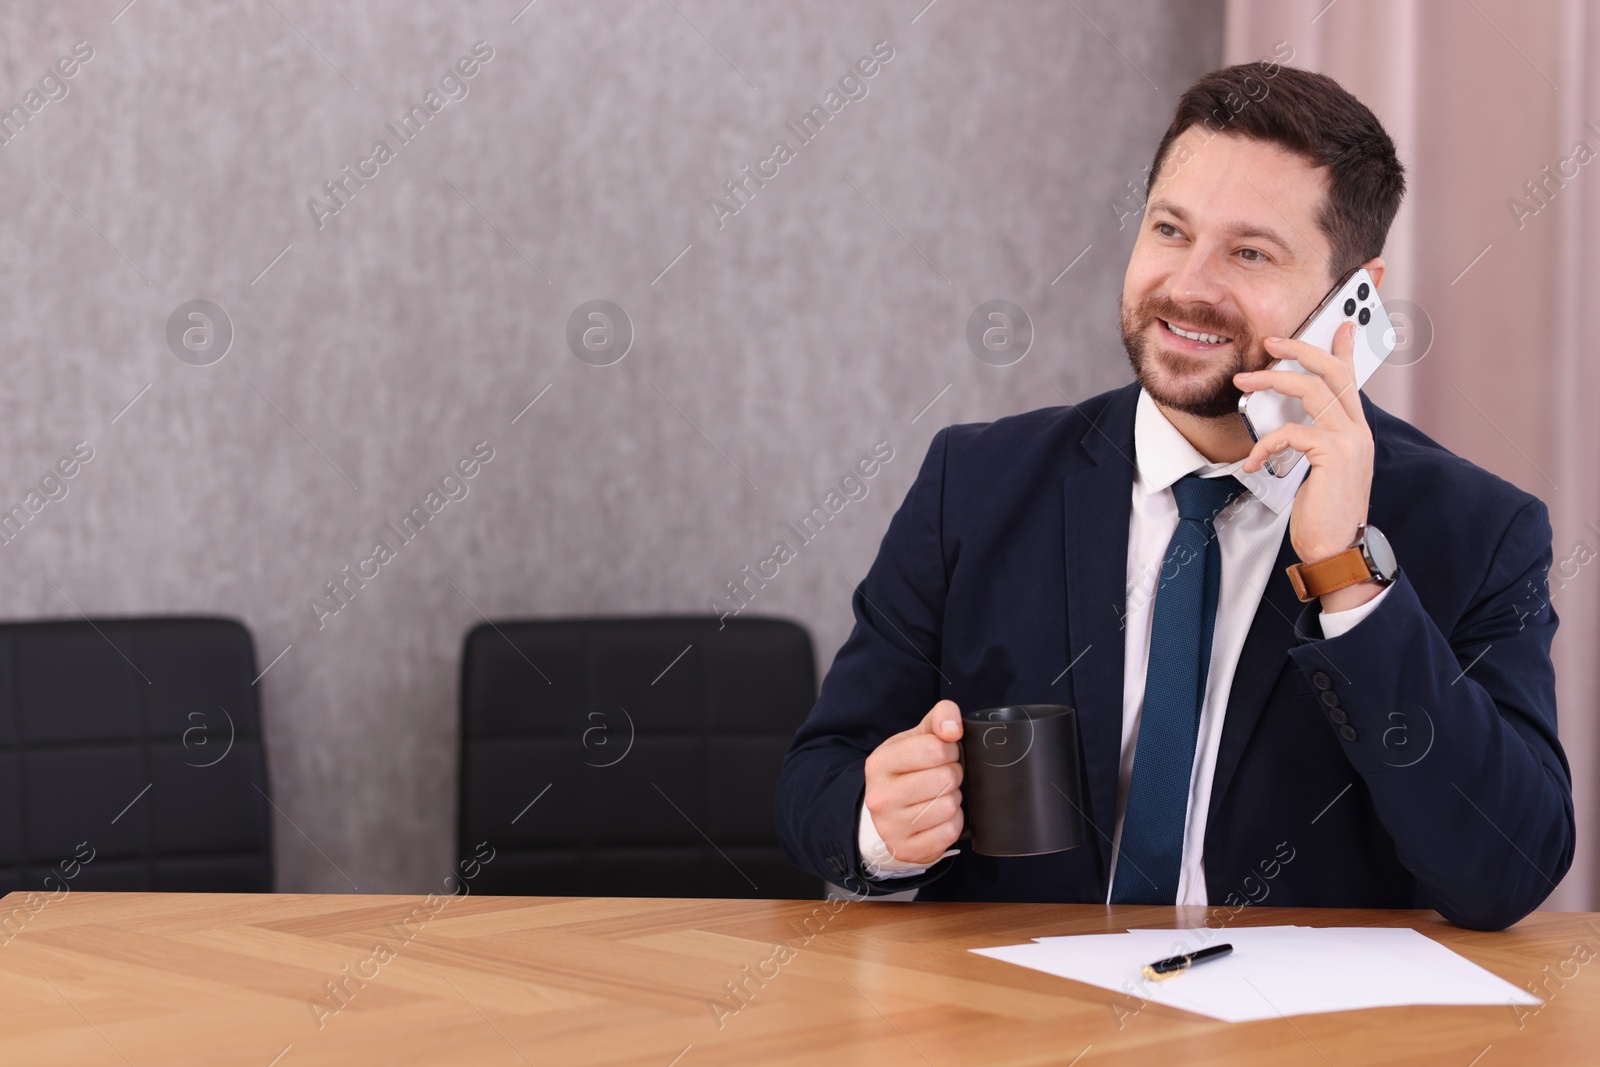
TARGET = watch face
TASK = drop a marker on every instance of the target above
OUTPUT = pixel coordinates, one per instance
(1380, 557)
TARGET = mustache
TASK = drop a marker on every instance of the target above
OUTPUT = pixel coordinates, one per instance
(1203, 317)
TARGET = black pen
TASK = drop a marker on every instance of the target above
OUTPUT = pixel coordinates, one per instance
(1176, 965)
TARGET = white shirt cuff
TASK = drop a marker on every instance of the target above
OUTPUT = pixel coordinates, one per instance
(875, 855)
(1339, 623)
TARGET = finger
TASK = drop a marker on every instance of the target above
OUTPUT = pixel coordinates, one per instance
(902, 804)
(1335, 368)
(1344, 350)
(943, 720)
(1308, 440)
(1311, 390)
(914, 751)
(926, 846)
(917, 788)
(1338, 368)
(1307, 353)
(936, 811)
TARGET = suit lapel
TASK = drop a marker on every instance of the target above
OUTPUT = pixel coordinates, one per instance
(1096, 495)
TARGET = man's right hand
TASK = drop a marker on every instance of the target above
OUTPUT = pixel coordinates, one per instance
(914, 787)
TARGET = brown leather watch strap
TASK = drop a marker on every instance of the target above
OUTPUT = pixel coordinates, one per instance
(1312, 580)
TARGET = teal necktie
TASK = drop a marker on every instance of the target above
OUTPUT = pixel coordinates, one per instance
(1150, 854)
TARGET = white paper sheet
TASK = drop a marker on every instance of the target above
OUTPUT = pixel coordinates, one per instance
(1273, 970)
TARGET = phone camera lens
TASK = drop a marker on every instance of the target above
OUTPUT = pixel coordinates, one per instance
(1363, 291)
(1349, 307)
(1365, 317)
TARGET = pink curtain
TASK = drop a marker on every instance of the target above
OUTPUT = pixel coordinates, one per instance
(1495, 259)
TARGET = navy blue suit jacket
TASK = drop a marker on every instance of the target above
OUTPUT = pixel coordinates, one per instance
(1446, 786)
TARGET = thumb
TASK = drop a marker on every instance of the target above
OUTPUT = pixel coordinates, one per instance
(944, 721)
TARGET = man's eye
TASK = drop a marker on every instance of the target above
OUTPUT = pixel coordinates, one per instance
(1166, 229)
(1252, 256)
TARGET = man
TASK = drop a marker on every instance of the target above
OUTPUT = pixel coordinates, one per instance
(1390, 742)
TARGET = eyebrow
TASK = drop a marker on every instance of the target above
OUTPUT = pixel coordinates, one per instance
(1241, 230)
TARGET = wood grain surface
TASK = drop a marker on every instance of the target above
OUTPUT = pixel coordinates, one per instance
(285, 980)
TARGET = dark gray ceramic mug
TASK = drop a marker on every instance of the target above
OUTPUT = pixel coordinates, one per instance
(1020, 787)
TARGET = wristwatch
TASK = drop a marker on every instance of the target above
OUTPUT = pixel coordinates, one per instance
(1370, 559)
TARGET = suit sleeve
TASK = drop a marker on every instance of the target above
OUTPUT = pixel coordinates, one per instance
(884, 679)
(1455, 736)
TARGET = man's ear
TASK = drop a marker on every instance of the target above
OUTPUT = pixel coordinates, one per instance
(1374, 267)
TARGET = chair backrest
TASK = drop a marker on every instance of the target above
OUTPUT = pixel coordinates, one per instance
(131, 757)
(631, 756)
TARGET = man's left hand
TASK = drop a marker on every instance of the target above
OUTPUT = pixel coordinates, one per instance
(1332, 501)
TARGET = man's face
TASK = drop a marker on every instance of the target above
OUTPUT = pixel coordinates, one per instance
(1229, 249)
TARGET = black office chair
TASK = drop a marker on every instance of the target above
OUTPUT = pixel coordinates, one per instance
(131, 757)
(631, 756)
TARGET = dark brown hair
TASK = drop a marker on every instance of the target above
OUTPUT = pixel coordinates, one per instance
(1314, 117)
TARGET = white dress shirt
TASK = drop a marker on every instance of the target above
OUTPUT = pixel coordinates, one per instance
(1249, 532)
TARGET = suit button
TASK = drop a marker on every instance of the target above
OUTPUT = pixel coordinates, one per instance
(1330, 698)
(1347, 732)
(1321, 680)
(1338, 716)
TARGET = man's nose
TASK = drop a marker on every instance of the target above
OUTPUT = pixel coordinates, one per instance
(1198, 279)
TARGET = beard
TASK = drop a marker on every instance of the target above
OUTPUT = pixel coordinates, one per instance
(1171, 380)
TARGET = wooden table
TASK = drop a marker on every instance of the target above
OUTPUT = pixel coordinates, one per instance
(148, 979)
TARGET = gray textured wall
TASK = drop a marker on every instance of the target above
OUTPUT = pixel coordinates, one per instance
(823, 317)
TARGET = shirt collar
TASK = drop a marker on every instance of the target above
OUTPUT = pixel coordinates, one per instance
(1165, 455)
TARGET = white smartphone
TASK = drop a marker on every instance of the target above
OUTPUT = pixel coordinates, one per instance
(1355, 299)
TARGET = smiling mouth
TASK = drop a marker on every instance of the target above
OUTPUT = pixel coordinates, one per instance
(1195, 336)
